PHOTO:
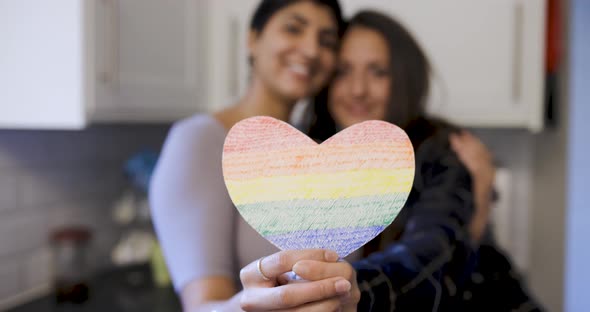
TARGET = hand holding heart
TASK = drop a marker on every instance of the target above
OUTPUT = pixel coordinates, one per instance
(300, 195)
(330, 284)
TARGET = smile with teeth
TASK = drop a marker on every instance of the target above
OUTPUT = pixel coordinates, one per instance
(301, 70)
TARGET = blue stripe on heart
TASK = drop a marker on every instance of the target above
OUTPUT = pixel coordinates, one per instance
(342, 240)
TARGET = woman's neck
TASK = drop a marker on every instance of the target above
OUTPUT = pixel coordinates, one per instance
(258, 101)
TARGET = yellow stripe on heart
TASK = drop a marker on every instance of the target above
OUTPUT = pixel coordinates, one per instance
(346, 184)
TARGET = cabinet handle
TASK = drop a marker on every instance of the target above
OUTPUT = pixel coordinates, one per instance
(110, 74)
(518, 49)
(233, 70)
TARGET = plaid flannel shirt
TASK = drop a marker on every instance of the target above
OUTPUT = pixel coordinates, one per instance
(434, 256)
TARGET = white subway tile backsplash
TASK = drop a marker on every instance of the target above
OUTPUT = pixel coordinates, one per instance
(48, 187)
(21, 148)
(19, 233)
(57, 178)
(10, 278)
(95, 213)
(8, 191)
(37, 268)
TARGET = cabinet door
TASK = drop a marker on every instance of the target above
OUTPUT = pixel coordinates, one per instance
(487, 57)
(149, 59)
(45, 77)
(229, 23)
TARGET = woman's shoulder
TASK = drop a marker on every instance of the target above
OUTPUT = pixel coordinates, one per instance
(196, 135)
(430, 133)
(430, 137)
(199, 124)
(436, 161)
(198, 129)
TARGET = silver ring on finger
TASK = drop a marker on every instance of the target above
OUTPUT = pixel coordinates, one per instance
(259, 267)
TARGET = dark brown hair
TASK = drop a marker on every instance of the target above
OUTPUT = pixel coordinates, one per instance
(267, 8)
(410, 72)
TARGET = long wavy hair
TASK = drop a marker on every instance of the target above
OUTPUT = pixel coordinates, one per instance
(409, 68)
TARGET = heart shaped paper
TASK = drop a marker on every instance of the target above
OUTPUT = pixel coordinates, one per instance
(337, 195)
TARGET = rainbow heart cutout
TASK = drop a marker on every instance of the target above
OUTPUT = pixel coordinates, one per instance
(336, 195)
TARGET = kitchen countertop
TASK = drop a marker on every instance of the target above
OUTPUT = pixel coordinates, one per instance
(129, 289)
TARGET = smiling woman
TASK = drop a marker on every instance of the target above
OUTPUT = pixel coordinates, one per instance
(362, 85)
(292, 51)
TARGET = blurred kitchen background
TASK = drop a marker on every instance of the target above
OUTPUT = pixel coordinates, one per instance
(89, 88)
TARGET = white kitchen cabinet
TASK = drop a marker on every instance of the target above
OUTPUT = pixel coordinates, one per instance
(68, 64)
(487, 57)
(227, 47)
(46, 72)
(150, 64)
(171, 58)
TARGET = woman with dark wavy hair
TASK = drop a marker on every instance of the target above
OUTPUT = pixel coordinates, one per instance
(383, 73)
(292, 52)
(426, 260)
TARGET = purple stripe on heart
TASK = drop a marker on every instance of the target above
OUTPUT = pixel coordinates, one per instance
(344, 240)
